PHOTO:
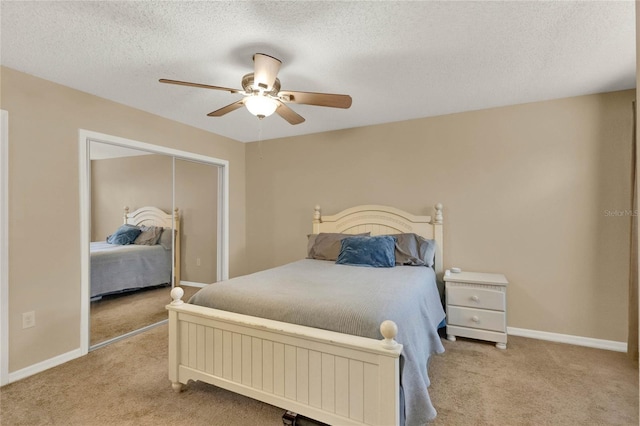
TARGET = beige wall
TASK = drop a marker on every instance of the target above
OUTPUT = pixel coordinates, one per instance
(197, 196)
(144, 180)
(44, 240)
(147, 180)
(525, 191)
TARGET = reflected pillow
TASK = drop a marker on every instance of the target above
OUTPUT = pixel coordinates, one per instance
(149, 235)
(326, 245)
(414, 250)
(124, 235)
(376, 252)
(165, 238)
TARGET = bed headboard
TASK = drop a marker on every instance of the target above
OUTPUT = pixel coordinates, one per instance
(153, 216)
(380, 220)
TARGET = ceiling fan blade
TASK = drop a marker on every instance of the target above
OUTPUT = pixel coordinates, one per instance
(318, 99)
(204, 86)
(224, 110)
(288, 114)
(265, 71)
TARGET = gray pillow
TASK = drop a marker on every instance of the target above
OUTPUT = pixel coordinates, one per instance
(414, 250)
(149, 236)
(310, 242)
(165, 238)
(326, 245)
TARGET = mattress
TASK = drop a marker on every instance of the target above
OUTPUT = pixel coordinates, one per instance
(117, 268)
(352, 300)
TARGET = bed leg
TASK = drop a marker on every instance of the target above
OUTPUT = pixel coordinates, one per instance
(289, 418)
(174, 338)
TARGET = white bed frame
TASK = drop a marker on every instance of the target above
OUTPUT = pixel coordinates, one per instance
(332, 377)
(153, 216)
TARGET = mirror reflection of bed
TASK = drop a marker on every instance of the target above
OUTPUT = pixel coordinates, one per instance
(130, 282)
(130, 270)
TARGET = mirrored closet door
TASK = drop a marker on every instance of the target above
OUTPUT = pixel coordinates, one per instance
(132, 243)
(154, 224)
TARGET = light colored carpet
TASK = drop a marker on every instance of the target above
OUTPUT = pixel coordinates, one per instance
(533, 382)
(473, 383)
(115, 315)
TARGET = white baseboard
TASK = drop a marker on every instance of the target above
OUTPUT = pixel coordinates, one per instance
(44, 365)
(192, 284)
(610, 345)
(61, 359)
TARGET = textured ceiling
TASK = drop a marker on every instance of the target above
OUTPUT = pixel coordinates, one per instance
(398, 60)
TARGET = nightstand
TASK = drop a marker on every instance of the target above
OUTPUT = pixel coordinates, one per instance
(477, 306)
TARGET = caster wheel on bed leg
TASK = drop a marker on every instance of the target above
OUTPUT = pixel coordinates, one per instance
(176, 386)
(451, 337)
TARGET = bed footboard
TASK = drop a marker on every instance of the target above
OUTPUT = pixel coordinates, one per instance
(332, 377)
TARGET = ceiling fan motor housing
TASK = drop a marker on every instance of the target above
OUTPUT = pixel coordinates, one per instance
(247, 85)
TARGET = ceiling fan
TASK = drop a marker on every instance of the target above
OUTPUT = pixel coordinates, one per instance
(262, 94)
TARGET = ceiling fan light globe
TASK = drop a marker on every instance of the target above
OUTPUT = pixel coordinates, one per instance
(261, 106)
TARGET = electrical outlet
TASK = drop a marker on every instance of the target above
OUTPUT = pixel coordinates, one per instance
(198, 261)
(29, 319)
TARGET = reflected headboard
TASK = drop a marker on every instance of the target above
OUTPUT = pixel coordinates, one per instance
(153, 216)
(380, 220)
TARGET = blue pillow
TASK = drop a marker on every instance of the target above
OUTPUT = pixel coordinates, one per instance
(126, 234)
(377, 252)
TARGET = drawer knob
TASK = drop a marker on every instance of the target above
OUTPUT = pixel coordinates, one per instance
(475, 298)
(475, 319)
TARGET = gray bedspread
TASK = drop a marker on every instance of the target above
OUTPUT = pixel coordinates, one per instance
(352, 300)
(116, 268)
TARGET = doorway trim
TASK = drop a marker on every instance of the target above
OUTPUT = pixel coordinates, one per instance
(4, 247)
(85, 137)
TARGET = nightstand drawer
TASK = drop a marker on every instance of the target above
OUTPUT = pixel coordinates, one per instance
(476, 318)
(476, 297)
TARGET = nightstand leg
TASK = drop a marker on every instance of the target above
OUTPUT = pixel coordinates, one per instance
(451, 337)
(501, 346)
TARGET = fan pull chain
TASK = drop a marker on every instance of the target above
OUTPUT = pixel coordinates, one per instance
(260, 139)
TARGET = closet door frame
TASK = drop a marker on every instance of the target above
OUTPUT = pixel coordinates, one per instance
(85, 137)
(4, 247)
